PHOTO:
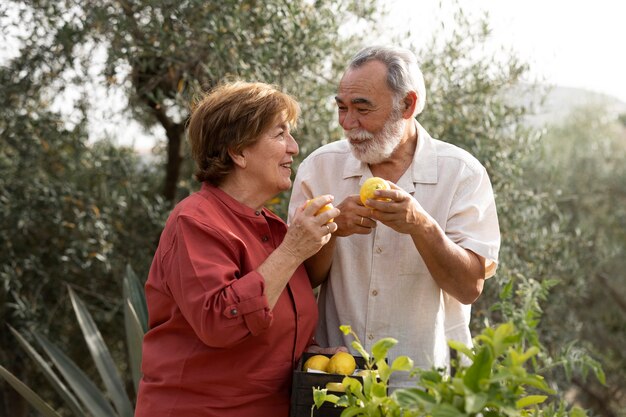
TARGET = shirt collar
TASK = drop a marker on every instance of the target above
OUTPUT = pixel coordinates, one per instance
(232, 203)
(422, 170)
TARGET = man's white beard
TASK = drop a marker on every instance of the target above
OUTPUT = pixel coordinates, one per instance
(376, 148)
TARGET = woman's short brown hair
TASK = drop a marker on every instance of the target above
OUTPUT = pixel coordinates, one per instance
(233, 116)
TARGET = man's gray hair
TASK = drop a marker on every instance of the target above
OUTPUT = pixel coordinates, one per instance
(403, 71)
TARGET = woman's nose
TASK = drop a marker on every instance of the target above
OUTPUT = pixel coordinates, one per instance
(292, 146)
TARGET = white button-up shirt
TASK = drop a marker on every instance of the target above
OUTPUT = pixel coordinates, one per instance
(378, 283)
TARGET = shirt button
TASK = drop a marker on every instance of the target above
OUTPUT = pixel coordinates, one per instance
(264, 238)
(233, 312)
(379, 249)
(375, 293)
(370, 336)
(258, 213)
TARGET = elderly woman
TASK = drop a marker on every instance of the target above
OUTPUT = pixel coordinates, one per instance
(230, 304)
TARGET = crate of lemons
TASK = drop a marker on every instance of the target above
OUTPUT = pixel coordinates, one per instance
(327, 372)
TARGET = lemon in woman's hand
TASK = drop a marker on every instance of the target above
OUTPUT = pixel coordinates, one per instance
(341, 363)
(317, 362)
(369, 186)
(327, 207)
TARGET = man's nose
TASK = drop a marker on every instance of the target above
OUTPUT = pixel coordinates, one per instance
(349, 121)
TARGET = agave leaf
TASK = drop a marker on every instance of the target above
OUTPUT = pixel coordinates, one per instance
(65, 393)
(133, 291)
(102, 358)
(86, 391)
(34, 399)
(134, 339)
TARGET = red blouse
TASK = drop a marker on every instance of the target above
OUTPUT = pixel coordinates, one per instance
(214, 348)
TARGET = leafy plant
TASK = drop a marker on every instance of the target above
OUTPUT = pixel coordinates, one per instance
(80, 394)
(496, 380)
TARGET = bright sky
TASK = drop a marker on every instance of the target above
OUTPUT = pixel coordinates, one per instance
(571, 43)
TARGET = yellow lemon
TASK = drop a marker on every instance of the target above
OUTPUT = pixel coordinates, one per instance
(317, 362)
(335, 386)
(369, 186)
(327, 207)
(341, 363)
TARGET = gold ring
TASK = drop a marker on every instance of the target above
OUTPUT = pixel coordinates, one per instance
(328, 228)
(361, 223)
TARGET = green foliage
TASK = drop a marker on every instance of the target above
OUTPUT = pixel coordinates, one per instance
(497, 381)
(164, 54)
(80, 394)
(582, 167)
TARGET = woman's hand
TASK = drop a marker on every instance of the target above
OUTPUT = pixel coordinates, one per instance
(310, 229)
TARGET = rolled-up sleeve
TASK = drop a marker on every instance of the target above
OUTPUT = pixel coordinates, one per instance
(473, 222)
(221, 303)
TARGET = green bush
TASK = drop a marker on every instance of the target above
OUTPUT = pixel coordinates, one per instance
(497, 380)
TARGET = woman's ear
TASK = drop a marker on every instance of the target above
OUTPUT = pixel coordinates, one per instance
(238, 158)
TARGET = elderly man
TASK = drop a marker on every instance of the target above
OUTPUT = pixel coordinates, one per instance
(411, 266)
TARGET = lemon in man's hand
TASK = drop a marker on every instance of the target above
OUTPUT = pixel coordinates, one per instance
(317, 362)
(369, 186)
(341, 363)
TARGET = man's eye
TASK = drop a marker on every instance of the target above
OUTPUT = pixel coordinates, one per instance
(363, 111)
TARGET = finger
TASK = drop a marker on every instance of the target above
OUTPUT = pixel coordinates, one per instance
(328, 216)
(390, 195)
(318, 204)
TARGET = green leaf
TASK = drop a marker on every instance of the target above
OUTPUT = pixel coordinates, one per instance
(352, 411)
(359, 348)
(519, 359)
(353, 386)
(402, 363)
(382, 346)
(32, 398)
(134, 340)
(412, 398)
(345, 329)
(91, 397)
(530, 400)
(479, 370)
(475, 402)
(446, 410)
(461, 347)
(577, 412)
(102, 358)
(67, 396)
(320, 396)
(379, 390)
(134, 291)
(502, 337)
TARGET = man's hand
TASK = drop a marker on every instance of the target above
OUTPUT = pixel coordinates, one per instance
(354, 218)
(403, 213)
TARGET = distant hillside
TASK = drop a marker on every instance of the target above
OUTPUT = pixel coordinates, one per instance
(560, 101)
